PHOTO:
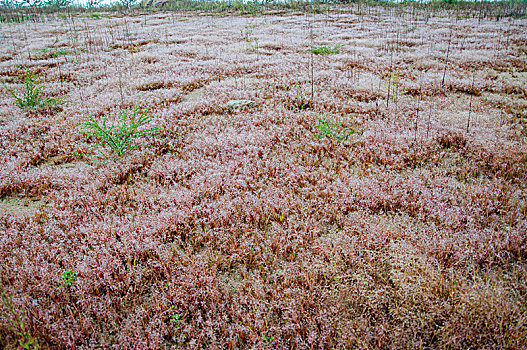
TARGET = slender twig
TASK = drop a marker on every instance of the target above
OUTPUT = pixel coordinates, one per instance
(417, 112)
(429, 119)
(446, 63)
(470, 101)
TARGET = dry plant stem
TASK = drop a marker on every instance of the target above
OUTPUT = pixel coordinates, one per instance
(417, 115)
(446, 60)
(312, 63)
(26, 40)
(388, 93)
(429, 121)
(389, 79)
(121, 93)
(312, 79)
(470, 101)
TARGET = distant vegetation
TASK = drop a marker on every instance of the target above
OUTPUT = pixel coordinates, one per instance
(17, 10)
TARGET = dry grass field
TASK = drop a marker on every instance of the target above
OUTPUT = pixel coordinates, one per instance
(374, 197)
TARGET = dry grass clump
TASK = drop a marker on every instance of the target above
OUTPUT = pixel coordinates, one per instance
(153, 86)
(374, 198)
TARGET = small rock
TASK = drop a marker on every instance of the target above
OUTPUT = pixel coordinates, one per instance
(240, 104)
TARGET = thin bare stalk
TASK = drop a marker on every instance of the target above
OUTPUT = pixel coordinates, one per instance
(470, 101)
(417, 114)
(446, 63)
(429, 119)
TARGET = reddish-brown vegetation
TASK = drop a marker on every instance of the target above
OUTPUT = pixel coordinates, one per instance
(240, 228)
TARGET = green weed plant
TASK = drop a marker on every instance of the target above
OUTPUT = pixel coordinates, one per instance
(31, 95)
(175, 318)
(48, 52)
(330, 129)
(118, 137)
(396, 85)
(69, 278)
(326, 50)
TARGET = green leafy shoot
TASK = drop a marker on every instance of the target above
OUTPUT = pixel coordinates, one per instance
(16, 322)
(48, 52)
(118, 137)
(331, 130)
(176, 318)
(326, 50)
(31, 96)
(69, 278)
